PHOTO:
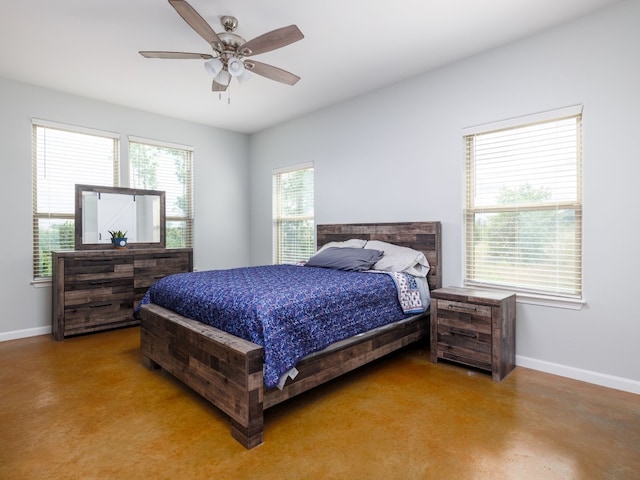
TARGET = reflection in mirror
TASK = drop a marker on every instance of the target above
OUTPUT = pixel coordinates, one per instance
(139, 213)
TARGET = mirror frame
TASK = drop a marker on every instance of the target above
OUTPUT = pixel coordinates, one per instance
(125, 191)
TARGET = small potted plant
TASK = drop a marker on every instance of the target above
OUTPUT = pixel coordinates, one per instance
(118, 238)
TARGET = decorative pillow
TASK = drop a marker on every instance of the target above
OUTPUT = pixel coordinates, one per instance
(400, 259)
(345, 258)
(351, 243)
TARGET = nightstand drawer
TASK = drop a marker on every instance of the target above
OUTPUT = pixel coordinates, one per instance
(465, 345)
(460, 356)
(464, 316)
(478, 312)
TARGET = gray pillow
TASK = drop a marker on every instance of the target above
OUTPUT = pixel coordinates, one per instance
(346, 258)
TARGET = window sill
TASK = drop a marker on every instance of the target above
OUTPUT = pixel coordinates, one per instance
(546, 301)
(540, 300)
(41, 283)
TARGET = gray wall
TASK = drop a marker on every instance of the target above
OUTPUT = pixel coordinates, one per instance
(397, 155)
(221, 184)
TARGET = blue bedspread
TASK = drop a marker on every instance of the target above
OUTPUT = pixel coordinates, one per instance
(289, 310)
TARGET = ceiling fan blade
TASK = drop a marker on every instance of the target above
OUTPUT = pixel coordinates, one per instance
(195, 21)
(271, 72)
(218, 87)
(271, 40)
(153, 54)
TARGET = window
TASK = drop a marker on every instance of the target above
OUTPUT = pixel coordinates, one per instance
(167, 167)
(293, 221)
(62, 157)
(523, 218)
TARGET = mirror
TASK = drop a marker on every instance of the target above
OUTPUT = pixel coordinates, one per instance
(140, 213)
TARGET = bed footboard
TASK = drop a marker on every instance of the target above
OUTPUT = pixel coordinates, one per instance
(224, 369)
(345, 356)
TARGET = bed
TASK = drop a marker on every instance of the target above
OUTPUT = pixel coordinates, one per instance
(229, 371)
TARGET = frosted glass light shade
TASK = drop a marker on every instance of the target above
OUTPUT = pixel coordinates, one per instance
(235, 66)
(213, 66)
(244, 76)
(223, 78)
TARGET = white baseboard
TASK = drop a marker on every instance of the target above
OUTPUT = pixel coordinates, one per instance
(28, 332)
(609, 381)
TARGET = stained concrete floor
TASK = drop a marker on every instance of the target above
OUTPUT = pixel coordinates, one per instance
(86, 408)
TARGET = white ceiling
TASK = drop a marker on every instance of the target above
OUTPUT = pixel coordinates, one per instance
(351, 47)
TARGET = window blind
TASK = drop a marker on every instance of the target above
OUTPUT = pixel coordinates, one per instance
(293, 214)
(168, 167)
(523, 217)
(63, 156)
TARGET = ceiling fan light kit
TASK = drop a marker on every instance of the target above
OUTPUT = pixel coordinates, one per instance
(230, 49)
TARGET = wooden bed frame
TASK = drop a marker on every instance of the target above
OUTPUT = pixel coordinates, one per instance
(227, 370)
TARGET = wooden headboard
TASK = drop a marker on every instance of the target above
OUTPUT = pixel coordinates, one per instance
(422, 236)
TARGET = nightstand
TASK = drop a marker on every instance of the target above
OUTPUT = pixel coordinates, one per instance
(474, 327)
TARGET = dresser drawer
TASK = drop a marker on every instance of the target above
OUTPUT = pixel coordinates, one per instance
(114, 311)
(161, 264)
(98, 290)
(86, 270)
(150, 268)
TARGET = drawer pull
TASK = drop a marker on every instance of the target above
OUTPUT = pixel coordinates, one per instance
(101, 304)
(99, 282)
(163, 256)
(463, 333)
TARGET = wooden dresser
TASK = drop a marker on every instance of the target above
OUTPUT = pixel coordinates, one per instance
(97, 290)
(474, 327)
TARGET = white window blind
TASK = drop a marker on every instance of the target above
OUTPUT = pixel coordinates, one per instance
(168, 167)
(293, 214)
(64, 156)
(524, 206)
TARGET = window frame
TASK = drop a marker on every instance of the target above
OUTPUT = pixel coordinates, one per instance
(524, 295)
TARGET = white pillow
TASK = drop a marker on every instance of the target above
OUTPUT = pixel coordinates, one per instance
(400, 259)
(351, 243)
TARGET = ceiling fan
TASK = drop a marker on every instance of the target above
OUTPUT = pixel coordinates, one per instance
(231, 50)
